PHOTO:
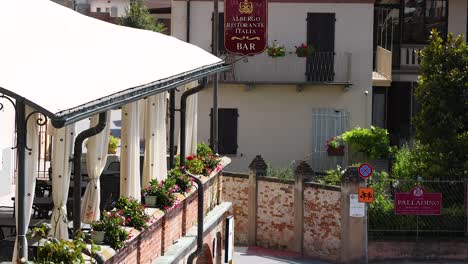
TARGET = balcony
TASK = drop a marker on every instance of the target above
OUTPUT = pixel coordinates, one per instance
(319, 68)
(382, 74)
(409, 58)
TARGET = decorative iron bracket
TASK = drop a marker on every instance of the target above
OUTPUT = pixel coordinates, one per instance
(40, 121)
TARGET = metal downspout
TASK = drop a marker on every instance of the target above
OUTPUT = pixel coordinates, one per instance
(171, 127)
(183, 107)
(77, 168)
(214, 128)
(21, 144)
(188, 22)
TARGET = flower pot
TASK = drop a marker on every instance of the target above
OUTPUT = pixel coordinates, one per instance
(335, 151)
(112, 151)
(98, 236)
(150, 201)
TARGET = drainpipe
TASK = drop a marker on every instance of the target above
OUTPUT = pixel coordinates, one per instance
(171, 127)
(188, 22)
(77, 168)
(21, 144)
(183, 107)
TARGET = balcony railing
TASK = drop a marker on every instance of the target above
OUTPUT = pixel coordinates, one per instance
(382, 74)
(409, 58)
(320, 67)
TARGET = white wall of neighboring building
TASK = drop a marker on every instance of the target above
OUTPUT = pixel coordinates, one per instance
(457, 14)
(121, 5)
(276, 120)
(7, 119)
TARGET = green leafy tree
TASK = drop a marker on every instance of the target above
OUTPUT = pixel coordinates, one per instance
(442, 90)
(138, 16)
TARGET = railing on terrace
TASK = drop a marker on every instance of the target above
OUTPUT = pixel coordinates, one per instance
(383, 62)
(409, 57)
(320, 67)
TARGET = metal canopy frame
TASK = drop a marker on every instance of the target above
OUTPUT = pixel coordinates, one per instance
(81, 112)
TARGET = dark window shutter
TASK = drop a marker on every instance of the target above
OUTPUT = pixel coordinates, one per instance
(220, 33)
(227, 130)
(321, 36)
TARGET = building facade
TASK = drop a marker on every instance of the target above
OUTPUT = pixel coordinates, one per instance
(286, 108)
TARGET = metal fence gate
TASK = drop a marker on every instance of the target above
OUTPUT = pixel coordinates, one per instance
(385, 224)
(327, 123)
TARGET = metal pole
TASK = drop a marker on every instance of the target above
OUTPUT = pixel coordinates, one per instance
(214, 139)
(78, 149)
(183, 106)
(171, 127)
(21, 144)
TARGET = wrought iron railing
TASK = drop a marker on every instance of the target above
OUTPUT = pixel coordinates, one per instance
(320, 67)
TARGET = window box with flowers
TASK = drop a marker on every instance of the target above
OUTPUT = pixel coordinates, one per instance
(276, 50)
(304, 50)
(335, 146)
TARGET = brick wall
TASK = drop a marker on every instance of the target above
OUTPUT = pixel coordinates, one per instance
(167, 228)
(235, 188)
(322, 222)
(275, 215)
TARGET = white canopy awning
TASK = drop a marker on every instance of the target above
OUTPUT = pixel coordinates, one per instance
(70, 66)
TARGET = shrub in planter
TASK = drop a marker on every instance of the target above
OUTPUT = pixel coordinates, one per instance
(133, 211)
(210, 160)
(184, 182)
(53, 250)
(373, 142)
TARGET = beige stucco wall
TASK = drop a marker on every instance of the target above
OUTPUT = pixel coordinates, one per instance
(457, 17)
(276, 120)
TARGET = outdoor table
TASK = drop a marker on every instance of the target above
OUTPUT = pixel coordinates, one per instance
(10, 222)
(43, 205)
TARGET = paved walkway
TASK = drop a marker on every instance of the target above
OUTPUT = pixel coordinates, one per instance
(257, 255)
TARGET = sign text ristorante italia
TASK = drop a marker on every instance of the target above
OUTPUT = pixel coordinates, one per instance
(245, 26)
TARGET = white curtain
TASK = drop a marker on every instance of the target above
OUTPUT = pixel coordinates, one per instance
(62, 146)
(130, 152)
(96, 159)
(155, 163)
(190, 122)
(30, 173)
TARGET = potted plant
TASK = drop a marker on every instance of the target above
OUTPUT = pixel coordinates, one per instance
(98, 231)
(183, 182)
(335, 146)
(133, 212)
(151, 194)
(113, 144)
(110, 230)
(304, 50)
(210, 160)
(276, 50)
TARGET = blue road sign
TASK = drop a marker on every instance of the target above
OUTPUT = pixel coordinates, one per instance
(365, 170)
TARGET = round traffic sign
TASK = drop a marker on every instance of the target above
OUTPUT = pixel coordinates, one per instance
(365, 170)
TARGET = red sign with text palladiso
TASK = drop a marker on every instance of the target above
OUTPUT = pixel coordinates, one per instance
(418, 202)
(245, 26)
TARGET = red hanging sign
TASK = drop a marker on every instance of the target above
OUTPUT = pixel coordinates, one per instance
(245, 26)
